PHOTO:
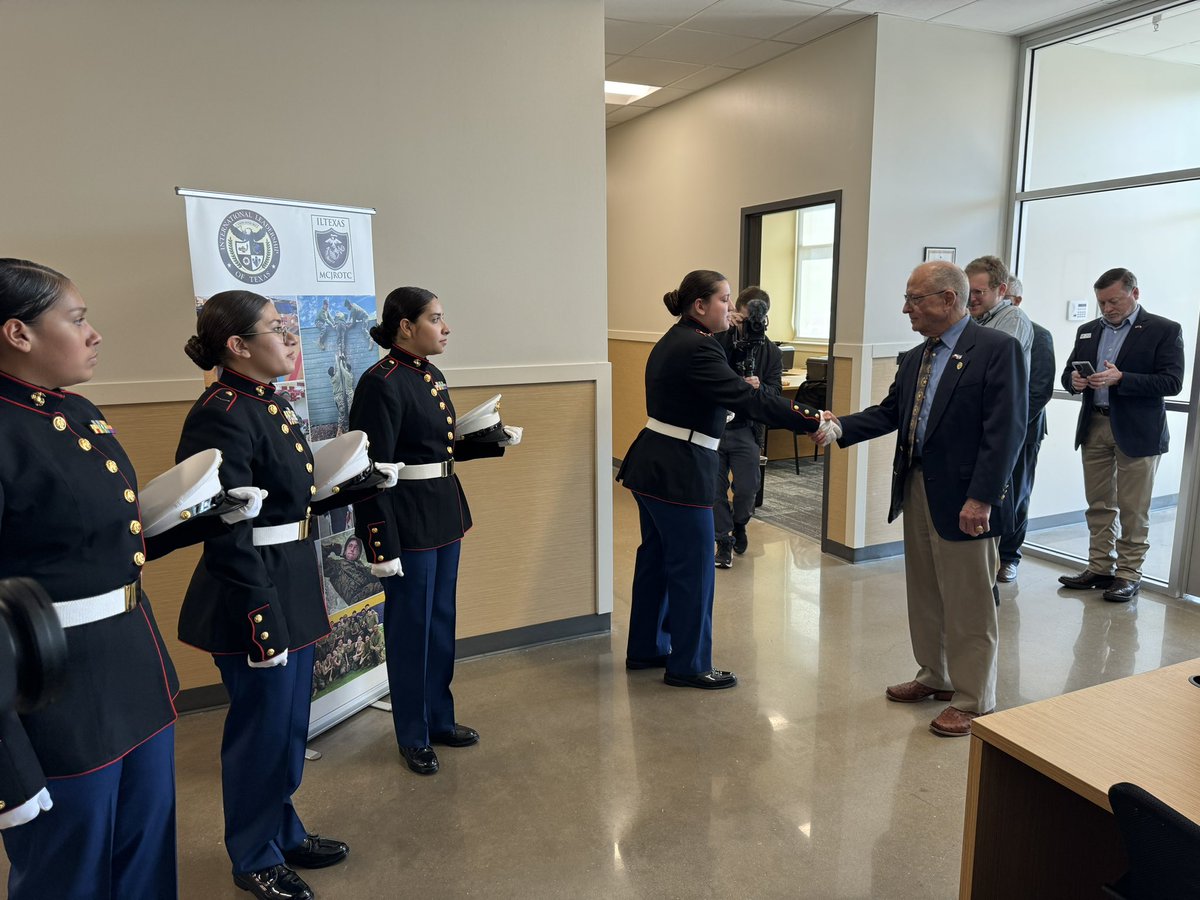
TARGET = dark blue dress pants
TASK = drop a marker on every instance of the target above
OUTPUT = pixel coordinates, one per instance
(262, 757)
(110, 835)
(673, 581)
(418, 629)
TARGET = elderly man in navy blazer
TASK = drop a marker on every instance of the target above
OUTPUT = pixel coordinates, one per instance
(959, 406)
(1124, 363)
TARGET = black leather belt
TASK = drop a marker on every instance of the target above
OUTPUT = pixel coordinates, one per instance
(1103, 410)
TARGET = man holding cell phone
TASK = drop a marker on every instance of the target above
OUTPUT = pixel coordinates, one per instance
(1124, 364)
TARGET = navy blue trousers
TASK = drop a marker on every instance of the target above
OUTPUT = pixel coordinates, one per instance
(673, 581)
(262, 757)
(418, 628)
(1022, 480)
(110, 835)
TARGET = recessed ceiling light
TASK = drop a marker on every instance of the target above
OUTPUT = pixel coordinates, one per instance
(622, 92)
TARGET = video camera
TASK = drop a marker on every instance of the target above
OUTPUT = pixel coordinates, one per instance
(33, 647)
(751, 335)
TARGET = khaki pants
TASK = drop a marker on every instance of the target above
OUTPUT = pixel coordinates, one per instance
(1116, 486)
(951, 611)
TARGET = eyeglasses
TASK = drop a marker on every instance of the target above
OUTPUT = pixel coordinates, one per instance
(914, 299)
(278, 330)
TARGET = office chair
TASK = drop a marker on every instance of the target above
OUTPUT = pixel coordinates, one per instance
(1163, 847)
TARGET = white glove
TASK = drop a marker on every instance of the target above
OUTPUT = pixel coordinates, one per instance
(828, 432)
(387, 568)
(513, 438)
(392, 471)
(279, 659)
(27, 811)
(254, 498)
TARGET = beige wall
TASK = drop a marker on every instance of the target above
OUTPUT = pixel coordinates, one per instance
(777, 272)
(473, 126)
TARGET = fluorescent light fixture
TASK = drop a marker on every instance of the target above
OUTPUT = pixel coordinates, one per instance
(623, 93)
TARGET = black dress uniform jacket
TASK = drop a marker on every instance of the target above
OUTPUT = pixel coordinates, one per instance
(69, 518)
(690, 384)
(403, 406)
(243, 598)
(1151, 364)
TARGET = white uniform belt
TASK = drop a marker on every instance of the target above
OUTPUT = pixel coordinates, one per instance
(426, 470)
(281, 534)
(683, 434)
(102, 606)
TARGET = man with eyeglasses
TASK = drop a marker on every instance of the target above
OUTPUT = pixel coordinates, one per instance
(958, 403)
(1124, 364)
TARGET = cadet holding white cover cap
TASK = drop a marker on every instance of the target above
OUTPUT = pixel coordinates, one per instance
(413, 533)
(87, 788)
(256, 594)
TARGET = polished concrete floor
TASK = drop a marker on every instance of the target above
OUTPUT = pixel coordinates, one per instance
(593, 782)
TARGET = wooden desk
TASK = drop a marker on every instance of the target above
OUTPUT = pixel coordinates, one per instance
(1038, 823)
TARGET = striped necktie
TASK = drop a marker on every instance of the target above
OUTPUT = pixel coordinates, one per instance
(922, 385)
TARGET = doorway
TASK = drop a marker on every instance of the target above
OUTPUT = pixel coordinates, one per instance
(790, 249)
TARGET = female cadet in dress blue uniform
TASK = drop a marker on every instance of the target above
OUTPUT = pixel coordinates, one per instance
(671, 467)
(103, 753)
(255, 600)
(412, 533)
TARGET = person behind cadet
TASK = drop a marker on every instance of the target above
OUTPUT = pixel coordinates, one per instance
(989, 305)
(1041, 388)
(87, 787)
(741, 443)
(958, 408)
(413, 534)
(1136, 360)
(671, 468)
(255, 599)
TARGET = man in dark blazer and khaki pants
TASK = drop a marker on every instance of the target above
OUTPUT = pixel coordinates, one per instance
(1136, 359)
(958, 405)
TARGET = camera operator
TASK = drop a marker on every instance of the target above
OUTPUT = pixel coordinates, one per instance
(756, 358)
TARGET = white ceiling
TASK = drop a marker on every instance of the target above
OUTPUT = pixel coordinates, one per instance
(684, 46)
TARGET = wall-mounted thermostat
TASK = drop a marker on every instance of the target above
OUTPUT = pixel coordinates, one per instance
(1077, 310)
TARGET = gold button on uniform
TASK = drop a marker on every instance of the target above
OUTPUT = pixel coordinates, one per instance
(273, 409)
(38, 398)
(428, 377)
(130, 496)
(85, 445)
(271, 652)
(111, 465)
(185, 514)
(449, 449)
(258, 618)
(135, 527)
(449, 420)
(313, 489)
(229, 393)
(260, 390)
(139, 558)
(283, 427)
(59, 423)
(374, 531)
(376, 544)
(264, 635)
(433, 392)
(442, 405)
(299, 447)
(308, 467)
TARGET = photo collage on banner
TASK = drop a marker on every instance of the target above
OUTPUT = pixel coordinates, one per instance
(315, 263)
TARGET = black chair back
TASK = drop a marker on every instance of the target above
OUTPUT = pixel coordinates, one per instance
(1163, 847)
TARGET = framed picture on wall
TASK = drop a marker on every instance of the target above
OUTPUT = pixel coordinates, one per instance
(942, 253)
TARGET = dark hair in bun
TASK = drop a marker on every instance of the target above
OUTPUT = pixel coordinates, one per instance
(697, 285)
(402, 303)
(28, 289)
(222, 316)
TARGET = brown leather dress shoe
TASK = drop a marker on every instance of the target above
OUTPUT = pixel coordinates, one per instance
(915, 692)
(954, 722)
(1007, 573)
(1122, 590)
(1087, 580)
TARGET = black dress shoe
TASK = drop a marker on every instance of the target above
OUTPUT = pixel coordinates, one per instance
(712, 680)
(1122, 590)
(724, 554)
(740, 541)
(1087, 580)
(276, 883)
(651, 662)
(421, 760)
(458, 736)
(316, 853)
(1007, 573)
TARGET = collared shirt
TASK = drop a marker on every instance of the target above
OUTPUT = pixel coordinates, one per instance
(1011, 320)
(943, 349)
(1112, 338)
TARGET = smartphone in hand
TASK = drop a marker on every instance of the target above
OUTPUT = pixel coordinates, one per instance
(1084, 368)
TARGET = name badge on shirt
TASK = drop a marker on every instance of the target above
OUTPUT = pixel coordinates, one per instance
(1084, 337)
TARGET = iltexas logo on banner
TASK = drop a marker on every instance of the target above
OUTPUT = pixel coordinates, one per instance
(316, 266)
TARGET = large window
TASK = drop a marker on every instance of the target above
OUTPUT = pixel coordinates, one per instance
(814, 272)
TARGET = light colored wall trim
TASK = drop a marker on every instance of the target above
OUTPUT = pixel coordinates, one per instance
(859, 352)
(649, 337)
(124, 393)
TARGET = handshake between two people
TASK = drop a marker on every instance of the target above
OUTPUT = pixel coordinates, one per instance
(828, 431)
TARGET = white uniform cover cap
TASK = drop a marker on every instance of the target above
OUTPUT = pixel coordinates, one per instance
(182, 492)
(482, 423)
(340, 460)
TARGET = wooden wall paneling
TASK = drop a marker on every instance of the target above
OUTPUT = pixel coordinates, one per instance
(628, 359)
(837, 510)
(879, 465)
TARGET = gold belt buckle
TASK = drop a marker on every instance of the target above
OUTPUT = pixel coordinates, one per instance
(132, 595)
(304, 527)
